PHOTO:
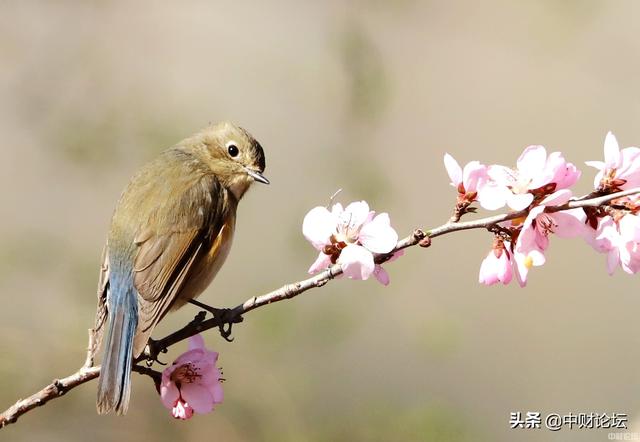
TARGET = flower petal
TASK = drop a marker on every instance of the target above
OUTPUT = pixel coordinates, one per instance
(501, 175)
(520, 201)
(355, 214)
(630, 167)
(611, 151)
(488, 274)
(597, 179)
(557, 198)
(453, 170)
(537, 258)
(632, 252)
(218, 393)
(169, 394)
(562, 173)
(381, 275)
(596, 164)
(187, 357)
(196, 342)
(532, 162)
(613, 259)
(521, 269)
(570, 223)
(493, 196)
(336, 210)
(606, 237)
(322, 262)
(378, 235)
(211, 378)
(198, 397)
(629, 227)
(356, 261)
(318, 226)
(505, 270)
(473, 175)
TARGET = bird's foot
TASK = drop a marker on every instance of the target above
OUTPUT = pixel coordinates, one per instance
(223, 316)
(151, 353)
(225, 322)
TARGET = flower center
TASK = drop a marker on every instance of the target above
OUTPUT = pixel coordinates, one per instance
(528, 262)
(334, 249)
(518, 183)
(546, 224)
(186, 373)
(610, 182)
(521, 185)
(347, 231)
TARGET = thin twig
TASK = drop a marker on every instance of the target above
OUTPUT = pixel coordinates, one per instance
(60, 386)
(54, 390)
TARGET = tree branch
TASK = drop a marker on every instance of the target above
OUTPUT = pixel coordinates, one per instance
(232, 316)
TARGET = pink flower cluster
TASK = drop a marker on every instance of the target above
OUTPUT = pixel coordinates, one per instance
(540, 180)
(619, 170)
(350, 237)
(192, 383)
(537, 186)
(536, 176)
(616, 231)
(538, 189)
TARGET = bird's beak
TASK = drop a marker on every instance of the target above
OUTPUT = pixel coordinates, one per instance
(256, 175)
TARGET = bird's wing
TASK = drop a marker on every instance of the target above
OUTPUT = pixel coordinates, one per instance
(164, 257)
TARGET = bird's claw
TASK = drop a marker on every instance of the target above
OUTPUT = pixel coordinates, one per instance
(153, 353)
(225, 323)
(149, 362)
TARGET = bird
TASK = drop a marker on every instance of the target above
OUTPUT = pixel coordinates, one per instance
(170, 233)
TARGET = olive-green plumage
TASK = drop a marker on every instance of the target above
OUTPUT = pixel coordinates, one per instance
(170, 234)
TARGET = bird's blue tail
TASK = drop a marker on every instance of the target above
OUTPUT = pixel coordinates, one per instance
(114, 386)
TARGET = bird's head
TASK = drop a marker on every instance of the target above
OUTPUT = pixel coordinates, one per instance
(234, 156)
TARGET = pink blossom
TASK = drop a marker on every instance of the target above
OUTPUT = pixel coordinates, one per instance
(192, 383)
(350, 236)
(497, 266)
(620, 240)
(565, 174)
(466, 180)
(537, 174)
(533, 239)
(620, 169)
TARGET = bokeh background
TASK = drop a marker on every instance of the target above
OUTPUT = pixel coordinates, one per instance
(365, 96)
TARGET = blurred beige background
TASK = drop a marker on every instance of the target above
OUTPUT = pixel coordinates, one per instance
(364, 96)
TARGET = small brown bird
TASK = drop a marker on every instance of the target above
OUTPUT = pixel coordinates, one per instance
(170, 234)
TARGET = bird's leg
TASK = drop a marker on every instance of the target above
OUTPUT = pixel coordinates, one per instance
(151, 353)
(223, 320)
(222, 315)
(216, 312)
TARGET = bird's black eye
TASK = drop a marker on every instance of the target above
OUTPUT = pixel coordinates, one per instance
(233, 150)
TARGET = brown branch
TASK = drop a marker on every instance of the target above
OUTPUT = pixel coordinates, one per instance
(54, 390)
(60, 386)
